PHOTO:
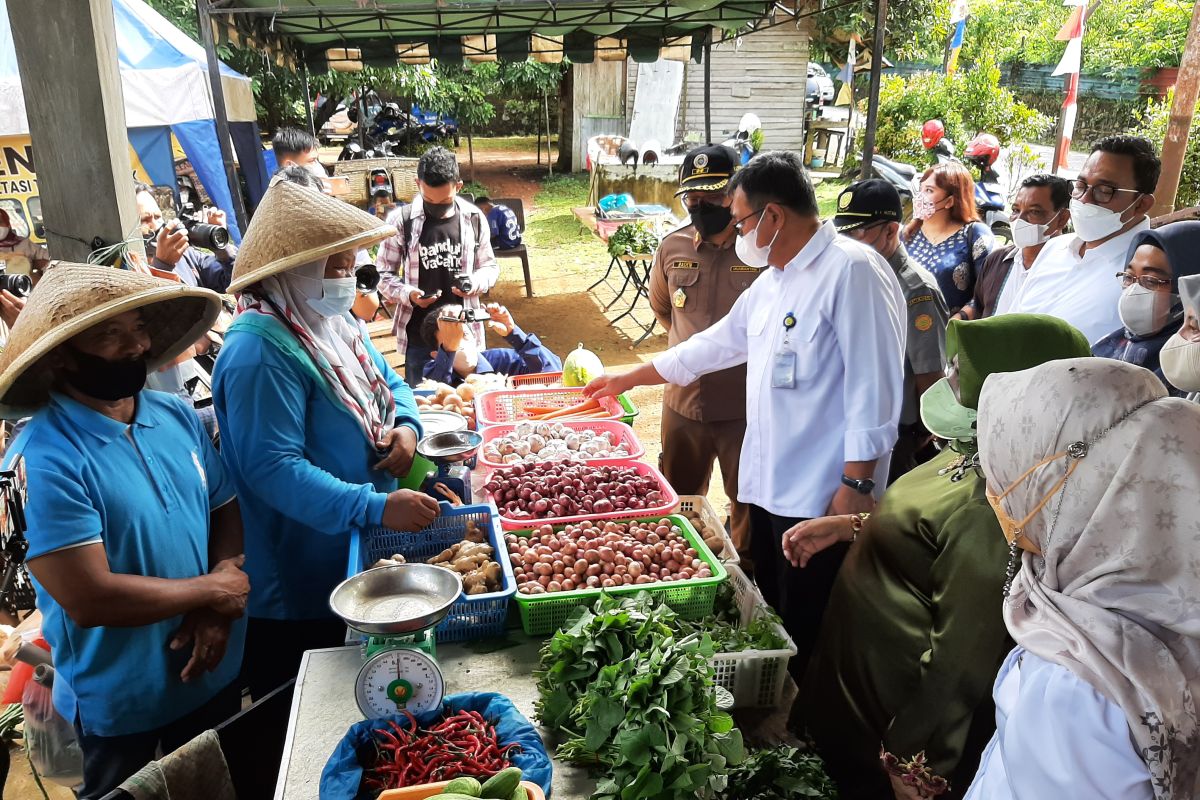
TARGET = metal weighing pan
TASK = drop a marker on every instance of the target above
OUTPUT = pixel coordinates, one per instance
(398, 599)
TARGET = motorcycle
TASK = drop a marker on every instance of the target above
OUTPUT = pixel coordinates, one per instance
(740, 141)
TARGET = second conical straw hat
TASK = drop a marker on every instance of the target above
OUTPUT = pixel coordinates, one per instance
(295, 225)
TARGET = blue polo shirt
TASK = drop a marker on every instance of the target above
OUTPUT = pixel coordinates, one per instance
(301, 464)
(145, 491)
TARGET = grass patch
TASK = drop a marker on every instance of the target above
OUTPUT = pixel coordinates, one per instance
(519, 143)
(827, 194)
(552, 225)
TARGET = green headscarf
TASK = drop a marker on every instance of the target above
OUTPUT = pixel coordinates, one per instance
(1008, 343)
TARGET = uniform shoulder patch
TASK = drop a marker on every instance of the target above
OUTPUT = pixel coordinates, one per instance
(923, 322)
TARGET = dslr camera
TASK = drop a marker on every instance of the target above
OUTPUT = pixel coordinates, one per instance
(19, 285)
(473, 315)
(201, 234)
(461, 281)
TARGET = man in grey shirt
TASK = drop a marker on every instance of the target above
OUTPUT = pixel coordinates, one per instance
(870, 212)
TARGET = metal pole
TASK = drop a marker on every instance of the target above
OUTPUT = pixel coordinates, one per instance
(222, 116)
(546, 107)
(1174, 149)
(362, 118)
(308, 103)
(881, 7)
(708, 137)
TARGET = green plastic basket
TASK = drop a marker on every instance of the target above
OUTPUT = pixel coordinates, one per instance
(543, 614)
(631, 411)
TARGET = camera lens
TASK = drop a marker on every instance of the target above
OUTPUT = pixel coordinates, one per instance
(210, 237)
(19, 285)
(368, 277)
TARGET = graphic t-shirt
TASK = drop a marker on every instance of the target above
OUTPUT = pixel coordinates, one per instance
(439, 254)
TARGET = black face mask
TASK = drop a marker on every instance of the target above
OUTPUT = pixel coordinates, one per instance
(437, 210)
(106, 380)
(710, 219)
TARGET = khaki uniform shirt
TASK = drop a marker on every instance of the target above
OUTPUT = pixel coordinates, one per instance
(693, 284)
(925, 345)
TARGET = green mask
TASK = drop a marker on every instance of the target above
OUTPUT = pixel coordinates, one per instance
(944, 416)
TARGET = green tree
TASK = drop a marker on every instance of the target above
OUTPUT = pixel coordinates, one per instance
(1152, 124)
(914, 27)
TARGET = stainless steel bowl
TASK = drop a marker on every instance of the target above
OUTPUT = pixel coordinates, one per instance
(403, 598)
(450, 447)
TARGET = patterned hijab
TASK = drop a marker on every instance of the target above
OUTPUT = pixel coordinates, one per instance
(335, 345)
(1104, 470)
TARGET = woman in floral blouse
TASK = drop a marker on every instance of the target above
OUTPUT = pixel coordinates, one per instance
(946, 236)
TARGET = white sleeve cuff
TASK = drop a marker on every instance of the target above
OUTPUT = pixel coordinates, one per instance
(871, 443)
(672, 369)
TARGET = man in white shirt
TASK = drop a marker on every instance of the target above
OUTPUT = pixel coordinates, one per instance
(822, 337)
(1073, 278)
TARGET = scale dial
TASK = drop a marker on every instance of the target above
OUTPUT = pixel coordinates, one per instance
(396, 680)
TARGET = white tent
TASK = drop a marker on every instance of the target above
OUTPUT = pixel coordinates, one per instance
(164, 80)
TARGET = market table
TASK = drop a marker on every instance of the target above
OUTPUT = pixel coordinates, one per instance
(323, 706)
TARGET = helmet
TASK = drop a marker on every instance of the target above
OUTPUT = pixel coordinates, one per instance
(932, 132)
(983, 150)
(748, 124)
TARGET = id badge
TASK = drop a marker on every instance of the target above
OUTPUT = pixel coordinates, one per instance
(783, 370)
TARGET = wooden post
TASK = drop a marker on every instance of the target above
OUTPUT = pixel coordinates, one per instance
(308, 102)
(1174, 149)
(868, 153)
(546, 107)
(67, 56)
(221, 115)
(708, 137)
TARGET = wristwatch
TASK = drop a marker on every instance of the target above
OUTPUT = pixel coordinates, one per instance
(863, 486)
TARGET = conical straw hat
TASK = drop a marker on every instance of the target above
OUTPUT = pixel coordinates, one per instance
(72, 298)
(295, 225)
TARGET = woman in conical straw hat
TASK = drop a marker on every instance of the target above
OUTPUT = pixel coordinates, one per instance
(315, 425)
(135, 538)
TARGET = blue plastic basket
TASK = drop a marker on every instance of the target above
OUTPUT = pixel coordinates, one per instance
(475, 616)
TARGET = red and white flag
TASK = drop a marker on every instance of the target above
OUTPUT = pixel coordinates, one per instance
(1070, 65)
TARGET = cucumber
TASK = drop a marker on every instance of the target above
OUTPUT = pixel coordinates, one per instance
(521, 793)
(465, 785)
(502, 785)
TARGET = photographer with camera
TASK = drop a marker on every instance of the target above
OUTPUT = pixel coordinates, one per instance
(442, 254)
(456, 353)
(173, 246)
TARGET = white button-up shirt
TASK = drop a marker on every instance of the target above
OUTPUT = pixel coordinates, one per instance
(1080, 289)
(849, 345)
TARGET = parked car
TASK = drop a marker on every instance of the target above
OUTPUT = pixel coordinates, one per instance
(824, 82)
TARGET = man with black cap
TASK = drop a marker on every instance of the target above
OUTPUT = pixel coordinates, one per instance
(695, 280)
(869, 212)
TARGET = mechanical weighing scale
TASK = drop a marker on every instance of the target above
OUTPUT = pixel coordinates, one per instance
(397, 608)
(453, 456)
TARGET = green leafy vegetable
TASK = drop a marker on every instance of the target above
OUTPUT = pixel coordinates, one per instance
(778, 773)
(633, 239)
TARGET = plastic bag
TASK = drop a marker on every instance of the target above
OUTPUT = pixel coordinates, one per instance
(50, 739)
(342, 776)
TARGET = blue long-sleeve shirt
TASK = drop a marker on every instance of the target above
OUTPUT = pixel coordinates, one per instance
(528, 356)
(301, 465)
(199, 268)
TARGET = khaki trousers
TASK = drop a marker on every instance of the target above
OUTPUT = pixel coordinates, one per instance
(688, 451)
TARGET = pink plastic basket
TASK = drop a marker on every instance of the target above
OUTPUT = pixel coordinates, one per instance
(625, 435)
(670, 501)
(538, 380)
(502, 406)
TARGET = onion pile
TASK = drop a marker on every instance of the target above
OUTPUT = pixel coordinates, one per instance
(602, 555)
(531, 443)
(544, 491)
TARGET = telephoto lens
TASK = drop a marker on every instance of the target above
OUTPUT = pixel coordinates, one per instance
(210, 237)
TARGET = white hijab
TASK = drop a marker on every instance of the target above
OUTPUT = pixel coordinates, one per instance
(1115, 595)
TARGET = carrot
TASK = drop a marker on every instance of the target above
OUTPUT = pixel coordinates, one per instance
(586, 406)
(540, 409)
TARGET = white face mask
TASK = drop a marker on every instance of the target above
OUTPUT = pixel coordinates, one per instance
(751, 254)
(337, 297)
(4, 232)
(1028, 234)
(1180, 363)
(1145, 312)
(1093, 222)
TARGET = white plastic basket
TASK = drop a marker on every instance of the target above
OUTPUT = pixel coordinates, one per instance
(708, 524)
(755, 678)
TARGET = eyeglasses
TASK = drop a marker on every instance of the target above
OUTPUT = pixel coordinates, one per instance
(1101, 192)
(1148, 283)
(737, 226)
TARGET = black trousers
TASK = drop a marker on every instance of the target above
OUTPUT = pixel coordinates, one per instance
(799, 595)
(274, 648)
(108, 761)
